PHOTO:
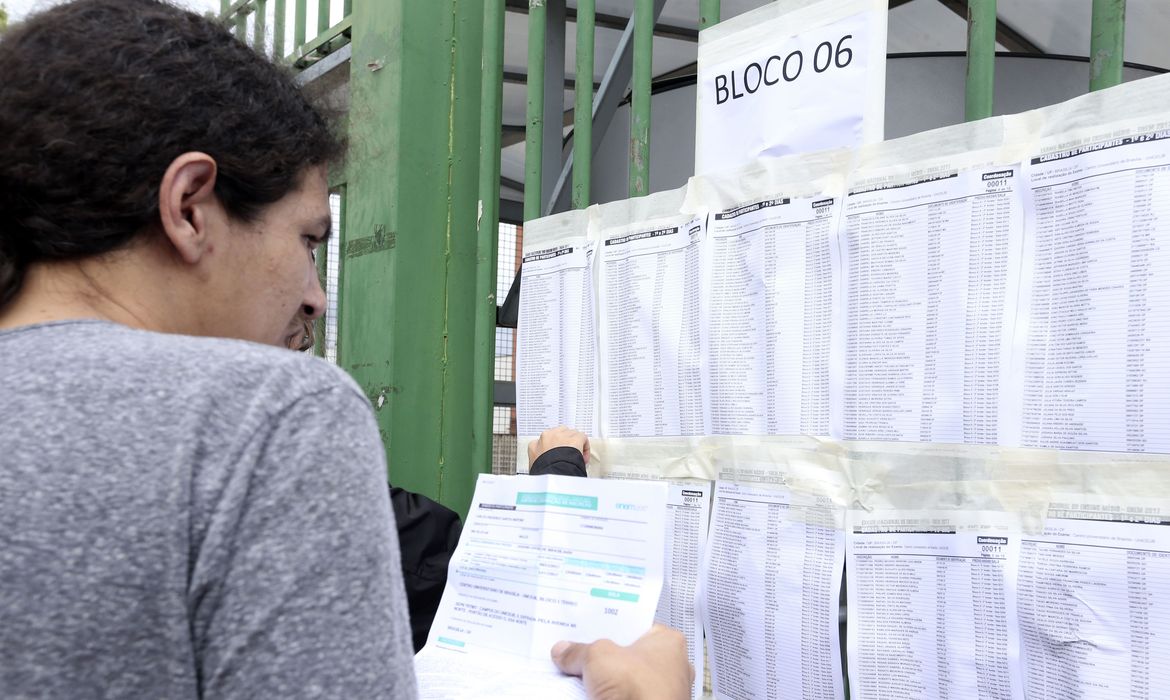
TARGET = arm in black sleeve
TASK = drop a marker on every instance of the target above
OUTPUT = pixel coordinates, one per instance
(427, 535)
(566, 461)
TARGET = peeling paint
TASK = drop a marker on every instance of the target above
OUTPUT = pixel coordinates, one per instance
(1107, 44)
(639, 155)
(444, 359)
(379, 399)
(535, 4)
(375, 65)
(1100, 62)
(381, 240)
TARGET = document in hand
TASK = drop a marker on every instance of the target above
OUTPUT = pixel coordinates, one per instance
(541, 559)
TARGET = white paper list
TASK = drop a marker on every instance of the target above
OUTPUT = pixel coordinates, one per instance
(556, 360)
(651, 336)
(688, 507)
(932, 606)
(770, 316)
(1097, 360)
(769, 595)
(929, 274)
(1094, 610)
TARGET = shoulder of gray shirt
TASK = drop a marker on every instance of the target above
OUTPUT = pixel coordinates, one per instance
(218, 378)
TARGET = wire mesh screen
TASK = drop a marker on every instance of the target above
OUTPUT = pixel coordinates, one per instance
(507, 260)
(505, 371)
(332, 269)
(505, 343)
(509, 256)
(503, 454)
(504, 417)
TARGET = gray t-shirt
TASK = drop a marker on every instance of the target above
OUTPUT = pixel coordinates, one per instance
(191, 517)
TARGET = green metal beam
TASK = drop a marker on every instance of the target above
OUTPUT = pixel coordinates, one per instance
(534, 133)
(981, 30)
(583, 111)
(235, 8)
(280, 16)
(299, 20)
(488, 234)
(324, 38)
(322, 16)
(708, 13)
(640, 112)
(408, 285)
(260, 27)
(617, 22)
(1107, 44)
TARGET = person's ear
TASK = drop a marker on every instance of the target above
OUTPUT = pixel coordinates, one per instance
(188, 206)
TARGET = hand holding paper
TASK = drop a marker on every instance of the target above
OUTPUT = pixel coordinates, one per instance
(655, 666)
(559, 436)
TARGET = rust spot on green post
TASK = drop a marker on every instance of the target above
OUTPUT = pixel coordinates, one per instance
(1107, 44)
(640, 98)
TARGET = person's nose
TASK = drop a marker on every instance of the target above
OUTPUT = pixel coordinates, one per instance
(313, 305)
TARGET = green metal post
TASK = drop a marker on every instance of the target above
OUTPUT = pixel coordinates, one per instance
(259, 28)
(279, 18)
(708, 13)
(322, 16)
(223, 7)
(487, 237)
(640, 112)
(242, 25)
(347, 8)
(534, 126)
(408, 301)
(299, 25)
(583, 111)
(1107, 45)
(981, 19)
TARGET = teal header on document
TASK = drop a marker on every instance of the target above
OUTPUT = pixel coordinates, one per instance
(614, 595)
(563, 500)
(608, 566)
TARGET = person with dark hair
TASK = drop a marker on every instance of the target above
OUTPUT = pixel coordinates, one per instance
(166, 526)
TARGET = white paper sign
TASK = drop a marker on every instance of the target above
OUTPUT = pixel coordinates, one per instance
(790, 77)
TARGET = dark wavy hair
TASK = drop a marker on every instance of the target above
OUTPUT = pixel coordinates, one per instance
(98, 97)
